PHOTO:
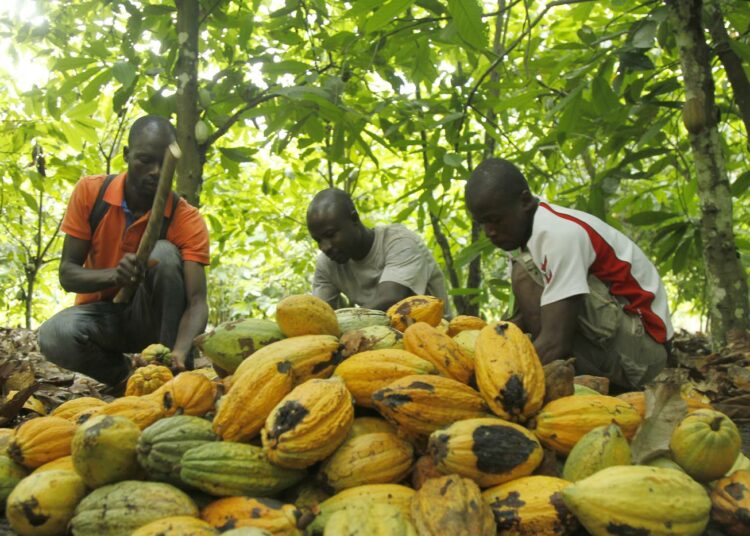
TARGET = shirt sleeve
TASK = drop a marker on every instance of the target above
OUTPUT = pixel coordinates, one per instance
(564, 258)
(407, 262)
(76, 220)
(190, 235)
(323, 286)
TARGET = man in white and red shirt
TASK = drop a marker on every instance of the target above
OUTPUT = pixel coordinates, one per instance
(582, 287)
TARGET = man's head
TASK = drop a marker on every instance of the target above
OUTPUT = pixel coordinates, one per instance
(333, 222)
(498, 198)
(147, 141)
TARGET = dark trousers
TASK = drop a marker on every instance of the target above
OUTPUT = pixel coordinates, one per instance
(92, 338)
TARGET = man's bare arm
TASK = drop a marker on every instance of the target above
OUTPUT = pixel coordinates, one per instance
(75, 278)
(559, 321)
(195, 317)
(386, 294)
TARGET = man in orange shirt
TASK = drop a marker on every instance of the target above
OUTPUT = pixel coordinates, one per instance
(105, 220)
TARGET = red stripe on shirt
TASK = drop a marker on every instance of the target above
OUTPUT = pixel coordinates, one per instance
(617, 273)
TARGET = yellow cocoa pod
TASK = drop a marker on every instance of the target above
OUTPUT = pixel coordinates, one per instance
(308, 424)
(635, 499)
(42, 504)
(176, 526)
(530, 506)
(391, 494)
(509, 373)
(142, 410)
(426, 342)
(377, 458)
(421, 404)
(41, 440)
(563, 422)
(311, 356)
(730, 499)
(451, 505)
(365, 518)
(465, 323)
(602, 447)
(72, 408)
(488, 450)
(415, 309)
(243, 411)
(303, 314)
(367, 372)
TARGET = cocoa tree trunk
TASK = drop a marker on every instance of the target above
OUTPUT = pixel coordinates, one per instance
(725, 276)
(190, 166)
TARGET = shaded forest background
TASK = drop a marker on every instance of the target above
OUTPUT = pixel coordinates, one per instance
(636, 112)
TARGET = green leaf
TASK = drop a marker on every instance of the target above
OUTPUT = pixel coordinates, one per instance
(650, 217)
(741, 184)
(643, 34)
(682, 254)
(467, 14)
(472, 251)
(453, 160)
(741, 49)
(605, 100)
(385, 14)
(124, 72)
(71, 62)
(30, 200)
(284, 67)
(238, 154)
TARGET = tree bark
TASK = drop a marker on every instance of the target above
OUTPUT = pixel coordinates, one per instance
(726, 281)
(190, 166)
(730, 60)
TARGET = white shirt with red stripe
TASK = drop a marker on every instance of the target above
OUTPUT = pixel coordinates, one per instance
(566, 245)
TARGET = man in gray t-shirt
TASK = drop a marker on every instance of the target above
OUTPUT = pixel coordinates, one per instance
(373, 268)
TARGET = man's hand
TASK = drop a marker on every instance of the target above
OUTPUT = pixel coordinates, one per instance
(178, 361)
(128, 272)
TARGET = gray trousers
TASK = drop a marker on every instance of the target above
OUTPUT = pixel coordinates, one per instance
(92, 338)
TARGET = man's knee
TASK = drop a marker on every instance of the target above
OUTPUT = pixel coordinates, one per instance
(168, 256)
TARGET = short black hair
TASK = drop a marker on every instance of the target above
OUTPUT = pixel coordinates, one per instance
(497, 173)
(332, 197)
(142, 123)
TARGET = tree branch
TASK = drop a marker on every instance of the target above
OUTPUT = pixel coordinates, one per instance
(729, 59)
(219, 132)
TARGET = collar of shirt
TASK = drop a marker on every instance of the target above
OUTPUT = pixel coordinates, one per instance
(129, 216)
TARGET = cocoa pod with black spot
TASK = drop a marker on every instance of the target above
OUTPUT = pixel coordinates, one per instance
(488, 450)
(422, 403)
(508, 371)
(530, 506)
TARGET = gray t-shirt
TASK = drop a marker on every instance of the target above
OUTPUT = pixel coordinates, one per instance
(397, 254)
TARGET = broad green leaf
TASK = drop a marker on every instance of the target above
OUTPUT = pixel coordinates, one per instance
(467, 14)
(453, 160)
(651, 217)
(741, 184)
(30, 200)
(238, 154)
(604, 99)
(682, 255)
(643, 34)
(741, 49)
(71, 62)
(472, 251)
(124, 72)
(385, 14)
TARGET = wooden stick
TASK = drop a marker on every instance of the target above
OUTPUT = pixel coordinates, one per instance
(155, 219)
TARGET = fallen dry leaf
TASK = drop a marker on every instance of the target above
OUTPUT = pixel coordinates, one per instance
(665, 408)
